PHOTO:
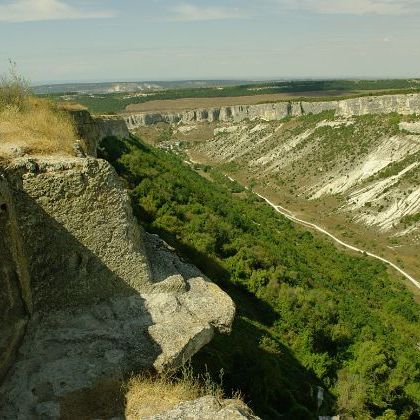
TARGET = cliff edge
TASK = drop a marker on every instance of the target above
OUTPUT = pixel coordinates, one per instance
(85, 294)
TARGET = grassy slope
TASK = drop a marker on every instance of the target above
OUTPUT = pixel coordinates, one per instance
(308, 314)
(31, 125)
(38, 127)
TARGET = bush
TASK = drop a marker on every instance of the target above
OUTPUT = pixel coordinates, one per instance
(14, 89)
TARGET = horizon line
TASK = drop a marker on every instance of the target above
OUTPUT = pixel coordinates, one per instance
(221, 79)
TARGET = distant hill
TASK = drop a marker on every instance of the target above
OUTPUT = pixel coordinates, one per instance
(129, 87)
(115, 97)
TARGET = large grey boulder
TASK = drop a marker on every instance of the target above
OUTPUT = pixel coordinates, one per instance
(91, 295)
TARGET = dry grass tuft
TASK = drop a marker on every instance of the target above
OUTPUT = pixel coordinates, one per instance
(31, 125)
(142, 396)
(38, 127)
(148, 395)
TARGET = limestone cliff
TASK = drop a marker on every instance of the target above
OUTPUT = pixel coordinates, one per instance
(402, 104)
(85, 294)
(364, 168)
(92, 130)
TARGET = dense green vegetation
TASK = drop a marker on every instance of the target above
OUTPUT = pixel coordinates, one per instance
(309, 315)
(116, 102)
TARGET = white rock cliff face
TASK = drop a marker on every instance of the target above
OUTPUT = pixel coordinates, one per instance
(402, 104)
(92, 296)
(372, 172)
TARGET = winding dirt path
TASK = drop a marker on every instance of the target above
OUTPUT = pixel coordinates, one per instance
(289, 215)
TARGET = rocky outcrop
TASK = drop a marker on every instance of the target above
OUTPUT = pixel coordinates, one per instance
(66, 212)
(85, 294)
(112, 127)
(207, 408)
(15, 294)
(93, 130)
(410, 127)
(402, 104)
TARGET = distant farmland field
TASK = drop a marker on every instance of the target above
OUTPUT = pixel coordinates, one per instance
(187, 98)
(190, 103)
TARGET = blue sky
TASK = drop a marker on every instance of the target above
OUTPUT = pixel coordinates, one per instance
(69, 40)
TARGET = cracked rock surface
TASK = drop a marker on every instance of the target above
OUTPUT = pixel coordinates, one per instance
(92, 296)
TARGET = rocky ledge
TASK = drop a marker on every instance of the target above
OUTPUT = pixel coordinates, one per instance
(85, 294)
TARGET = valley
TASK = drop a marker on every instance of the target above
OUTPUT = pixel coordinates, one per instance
(128, 230)
(308, 314)
(210, 210)
(357, 176)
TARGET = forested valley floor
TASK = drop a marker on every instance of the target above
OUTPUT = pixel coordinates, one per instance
(309, 316)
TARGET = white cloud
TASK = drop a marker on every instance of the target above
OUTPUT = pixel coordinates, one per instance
(190, 13)
(36, 10)
(354, 7)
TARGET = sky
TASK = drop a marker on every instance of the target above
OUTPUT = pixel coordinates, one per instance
(128, 40)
